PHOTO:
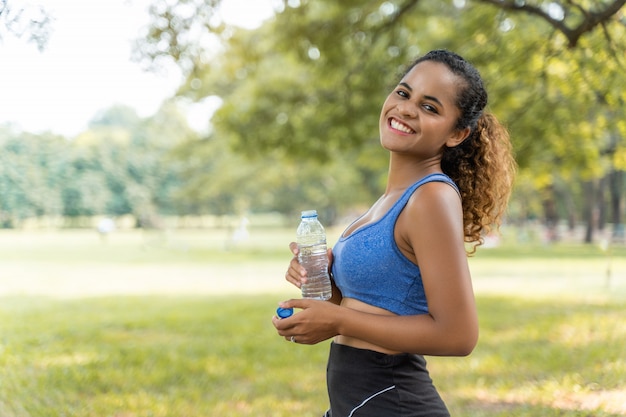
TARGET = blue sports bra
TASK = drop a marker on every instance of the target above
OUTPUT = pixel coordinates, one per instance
(369, 266)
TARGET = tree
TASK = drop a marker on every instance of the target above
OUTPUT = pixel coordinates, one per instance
(309, 61)
(309, 83)
(573, 20)
(132, 155)
(31, 21)
(121, 165)
(219, 181)
(31, 170)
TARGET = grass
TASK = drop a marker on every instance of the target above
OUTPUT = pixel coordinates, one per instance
(152, 356)
(552, 332)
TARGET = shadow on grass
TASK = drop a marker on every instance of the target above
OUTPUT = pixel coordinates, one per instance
(484, 409)
(540, 358)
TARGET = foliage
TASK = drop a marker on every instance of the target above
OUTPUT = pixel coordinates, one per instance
(119, 166)
(318, 67)
(220, 181)
(300, 102)
(309, 83)
(25, 20)
(30, 171)
(572, 20)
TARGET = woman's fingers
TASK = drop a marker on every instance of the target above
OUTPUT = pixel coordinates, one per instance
(295, 274)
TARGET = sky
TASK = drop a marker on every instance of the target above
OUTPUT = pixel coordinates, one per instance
(86, 66)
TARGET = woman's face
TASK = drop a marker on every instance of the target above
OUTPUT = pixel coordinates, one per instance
(420, 114)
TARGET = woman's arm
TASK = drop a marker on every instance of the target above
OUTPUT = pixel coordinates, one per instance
(431, 229)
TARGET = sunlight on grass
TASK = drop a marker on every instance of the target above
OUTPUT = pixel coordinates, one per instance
(142, 329)
(204, 356)
(154, 356)
(525, 359)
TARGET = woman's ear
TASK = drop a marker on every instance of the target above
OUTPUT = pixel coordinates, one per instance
(458, 136)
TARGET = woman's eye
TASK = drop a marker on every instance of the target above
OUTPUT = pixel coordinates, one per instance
(430, 108)
(402, 93)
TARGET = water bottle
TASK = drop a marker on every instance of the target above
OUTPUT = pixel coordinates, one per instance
(311, 239)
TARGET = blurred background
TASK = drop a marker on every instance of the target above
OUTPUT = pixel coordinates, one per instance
(156, 150)
(151, 112)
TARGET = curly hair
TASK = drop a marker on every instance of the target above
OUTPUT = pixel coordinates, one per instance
(482, 166)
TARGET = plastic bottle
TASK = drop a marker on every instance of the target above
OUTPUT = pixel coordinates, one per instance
(311, 239)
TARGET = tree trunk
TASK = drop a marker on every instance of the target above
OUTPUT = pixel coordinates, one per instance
(600, 203)
(616, 188)
(551, 215)
(570, 207)
(588, 210)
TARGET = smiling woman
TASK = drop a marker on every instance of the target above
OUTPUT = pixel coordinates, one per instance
(402, 285)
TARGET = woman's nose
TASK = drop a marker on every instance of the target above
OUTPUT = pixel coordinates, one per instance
(407, 108)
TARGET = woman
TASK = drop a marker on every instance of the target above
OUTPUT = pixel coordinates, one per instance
(402, 286)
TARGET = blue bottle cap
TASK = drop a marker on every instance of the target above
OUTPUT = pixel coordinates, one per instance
(308, 213)
(283, 313)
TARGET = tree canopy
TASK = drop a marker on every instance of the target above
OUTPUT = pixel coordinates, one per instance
(310, 81)
(308, 84)
(301, 95)
(25, 21)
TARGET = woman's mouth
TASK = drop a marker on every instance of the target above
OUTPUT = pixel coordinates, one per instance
(399, 126)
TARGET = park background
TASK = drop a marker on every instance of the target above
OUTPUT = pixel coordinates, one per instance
(167, 313)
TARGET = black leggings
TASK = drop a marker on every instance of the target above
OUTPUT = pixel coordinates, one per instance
(365, 383)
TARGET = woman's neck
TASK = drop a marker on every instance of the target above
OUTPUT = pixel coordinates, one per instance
(406, 170)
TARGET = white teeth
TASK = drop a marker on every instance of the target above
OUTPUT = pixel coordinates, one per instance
(399, 126)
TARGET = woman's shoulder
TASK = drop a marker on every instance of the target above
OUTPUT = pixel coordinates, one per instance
(431, 220)
(434, 199)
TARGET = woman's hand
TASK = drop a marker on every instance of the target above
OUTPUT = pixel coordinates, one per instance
(315, 323)
(296, 274)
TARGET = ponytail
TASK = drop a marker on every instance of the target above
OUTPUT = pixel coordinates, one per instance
(483, 168)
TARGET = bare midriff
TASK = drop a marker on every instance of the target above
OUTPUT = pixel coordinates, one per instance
(358, 343)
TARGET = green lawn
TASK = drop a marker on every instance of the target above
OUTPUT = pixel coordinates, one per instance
(553, 333)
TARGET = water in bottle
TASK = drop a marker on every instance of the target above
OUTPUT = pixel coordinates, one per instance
(311, 239)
